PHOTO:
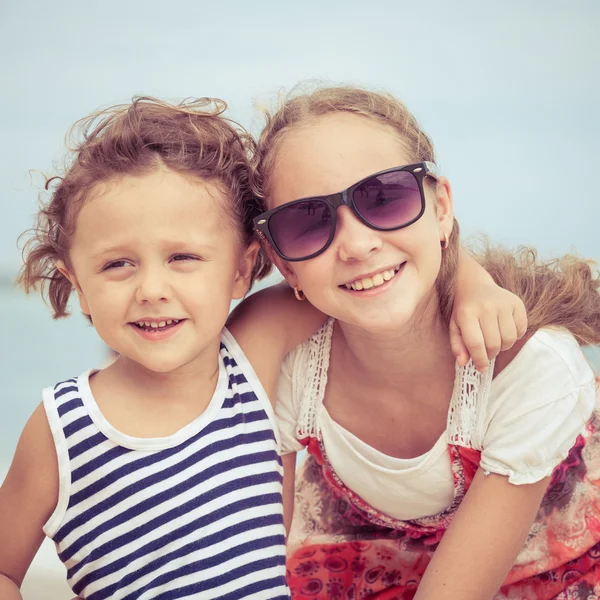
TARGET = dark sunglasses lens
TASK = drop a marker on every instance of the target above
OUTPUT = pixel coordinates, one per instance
(301, 229)
(389, 201)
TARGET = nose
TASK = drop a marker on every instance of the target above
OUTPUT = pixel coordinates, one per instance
(153, 285)
(355, 241)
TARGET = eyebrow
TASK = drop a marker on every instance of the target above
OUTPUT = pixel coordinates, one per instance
(179, 246)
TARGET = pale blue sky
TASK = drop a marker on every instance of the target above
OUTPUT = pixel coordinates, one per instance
(509, 91)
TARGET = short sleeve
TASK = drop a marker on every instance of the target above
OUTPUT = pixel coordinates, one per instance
(537, 408)
(287, 407)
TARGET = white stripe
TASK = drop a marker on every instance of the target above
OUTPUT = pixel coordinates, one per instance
(95, 452)
(135, 499)
(200, 444)
(72, 416)
(219, 591)
(195, 556)
(212, 460)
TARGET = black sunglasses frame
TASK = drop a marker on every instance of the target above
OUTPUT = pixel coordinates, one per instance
(345, 198)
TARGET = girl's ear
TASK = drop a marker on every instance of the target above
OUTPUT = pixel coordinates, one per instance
(287, 271)
(444, 207)
(243, 276)
(65, 272)
(282, 266)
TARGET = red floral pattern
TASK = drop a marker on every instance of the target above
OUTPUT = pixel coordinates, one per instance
(342, 548)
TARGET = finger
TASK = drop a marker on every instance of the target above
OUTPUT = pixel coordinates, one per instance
(456, 343)
(472, 337)
(490, 330)
(520, 319)
(508, 329)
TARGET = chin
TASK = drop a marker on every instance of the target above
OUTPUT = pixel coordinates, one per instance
(158, 365)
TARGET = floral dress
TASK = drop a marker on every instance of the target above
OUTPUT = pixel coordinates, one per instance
(341, 547)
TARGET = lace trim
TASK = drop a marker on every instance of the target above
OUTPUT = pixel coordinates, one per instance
(468, 406)
(466, 414)
(318, 349)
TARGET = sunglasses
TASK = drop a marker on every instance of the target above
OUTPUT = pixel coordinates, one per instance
(385, 201)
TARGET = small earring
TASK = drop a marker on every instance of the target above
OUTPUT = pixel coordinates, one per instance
(299, 294)
(444, 242)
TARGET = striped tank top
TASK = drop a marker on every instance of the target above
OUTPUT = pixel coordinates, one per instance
(197, 514)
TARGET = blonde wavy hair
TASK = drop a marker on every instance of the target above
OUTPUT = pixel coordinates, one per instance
(192, 138)
(561, 292)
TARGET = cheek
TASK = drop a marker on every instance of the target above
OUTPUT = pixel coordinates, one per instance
(315, 275)
(106, 301)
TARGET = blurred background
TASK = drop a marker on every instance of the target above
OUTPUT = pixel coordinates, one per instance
(508, 91)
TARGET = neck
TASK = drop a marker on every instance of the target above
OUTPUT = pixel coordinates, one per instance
(401, 358)
(186, 385)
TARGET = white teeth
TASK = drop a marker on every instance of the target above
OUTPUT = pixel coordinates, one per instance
(157, 324)
(366, 283)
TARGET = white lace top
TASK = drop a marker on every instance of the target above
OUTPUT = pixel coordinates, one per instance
(524, 422)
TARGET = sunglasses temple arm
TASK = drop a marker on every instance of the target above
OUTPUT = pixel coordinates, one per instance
(432, 169)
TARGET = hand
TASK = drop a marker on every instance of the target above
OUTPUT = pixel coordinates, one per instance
(481, 328)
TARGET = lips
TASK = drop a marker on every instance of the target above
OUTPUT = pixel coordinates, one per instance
(155, 325)
(156, 330)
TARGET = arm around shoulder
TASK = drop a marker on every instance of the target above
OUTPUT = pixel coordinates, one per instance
(268, 325)
(274, 316)
(28, 497)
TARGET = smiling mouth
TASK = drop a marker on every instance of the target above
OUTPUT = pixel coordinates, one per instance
(156, 326)
(367, 283)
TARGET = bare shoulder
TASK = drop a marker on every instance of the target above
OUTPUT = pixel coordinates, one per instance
(268, 325)
(28, 496)
(35, 467)
(271, 322)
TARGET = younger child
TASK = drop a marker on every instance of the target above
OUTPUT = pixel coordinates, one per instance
(158, 476)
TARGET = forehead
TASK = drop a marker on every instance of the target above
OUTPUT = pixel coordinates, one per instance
(162, 205)
(331, 153)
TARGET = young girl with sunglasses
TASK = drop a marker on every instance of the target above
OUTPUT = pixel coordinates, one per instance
(158, 476)
(424, 479)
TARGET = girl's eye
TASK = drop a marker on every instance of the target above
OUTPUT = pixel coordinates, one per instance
(116, 264)
(180, 257)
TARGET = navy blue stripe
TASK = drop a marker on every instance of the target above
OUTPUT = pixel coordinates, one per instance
(228, 360)
(203, 453)
(85, 445)
(238, 398)
(230, 402)
(156, 457)
(238, 379)
(226, 488)
(98, 462)
(60, 393)
(149, 503)
(155, 565)
(77, 425)
(68, 406)
(208, 584)
(183, 531)
(71, 380)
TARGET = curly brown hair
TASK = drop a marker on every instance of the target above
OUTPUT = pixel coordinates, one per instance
(560, 292)
(193, 138)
